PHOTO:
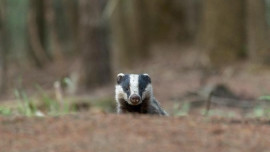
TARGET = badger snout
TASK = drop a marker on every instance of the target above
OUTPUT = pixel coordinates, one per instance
(135, 99)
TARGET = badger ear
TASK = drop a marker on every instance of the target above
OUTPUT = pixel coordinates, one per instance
(145, 74)
(119, 77)
(147, 77)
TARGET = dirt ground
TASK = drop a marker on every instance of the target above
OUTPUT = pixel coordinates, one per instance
(115, 133)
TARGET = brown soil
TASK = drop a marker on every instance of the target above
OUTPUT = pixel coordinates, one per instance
(115, 133)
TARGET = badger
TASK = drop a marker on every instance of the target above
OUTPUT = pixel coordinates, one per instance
(134, 94)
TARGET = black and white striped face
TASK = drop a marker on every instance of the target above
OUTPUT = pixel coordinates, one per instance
(133, 88)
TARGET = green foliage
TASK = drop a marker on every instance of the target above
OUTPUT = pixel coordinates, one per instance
(258, 111)
(46, 105)
(106, 104)
(181, 110)
(5, 111)
(220, 112)
(26, 106)
(43, 103)
(265, 98)
(54, 107)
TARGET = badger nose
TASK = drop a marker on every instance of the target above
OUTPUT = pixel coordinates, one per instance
(135, 99)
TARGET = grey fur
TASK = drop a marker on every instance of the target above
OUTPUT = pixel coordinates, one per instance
(146, 107)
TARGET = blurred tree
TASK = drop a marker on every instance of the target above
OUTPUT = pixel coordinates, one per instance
(70, 11)
(53, 37)
(166, 20)
(129, 32)
(16, 28)
(257, 32)
(3, 50)
(223, 30)
(93, 38)
(36, 29)
(173, 20)
(39, 10)
(192, 9)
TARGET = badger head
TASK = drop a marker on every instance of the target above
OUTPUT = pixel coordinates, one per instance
(133, 88)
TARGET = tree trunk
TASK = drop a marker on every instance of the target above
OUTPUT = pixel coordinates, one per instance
(71, 10)
(16, 21)
(3, 51)
(192, 18)
(129, 33)
(223, 32)
(258, 38)
(54, 41)
(96, 61)
(36, 38)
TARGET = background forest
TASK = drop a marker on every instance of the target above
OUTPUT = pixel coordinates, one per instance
(75, 48)
(208, 61)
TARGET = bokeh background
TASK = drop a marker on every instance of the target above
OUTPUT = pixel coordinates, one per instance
(58, 52)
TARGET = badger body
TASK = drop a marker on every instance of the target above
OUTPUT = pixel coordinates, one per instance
(134, 94)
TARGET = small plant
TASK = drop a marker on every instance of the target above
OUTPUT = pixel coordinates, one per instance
(259, 111)
(43, 103)
(5, 111)
(41, 106)
(181, 110)
(265, 98)
(26, 106)
(219, 112)
(53, 106)
(262, 109)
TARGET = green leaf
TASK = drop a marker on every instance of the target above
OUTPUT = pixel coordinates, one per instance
(5, 111)
(265, 98)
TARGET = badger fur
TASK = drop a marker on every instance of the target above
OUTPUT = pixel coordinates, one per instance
(134, 94)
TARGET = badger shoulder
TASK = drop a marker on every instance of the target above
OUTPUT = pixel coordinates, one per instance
(155, 108)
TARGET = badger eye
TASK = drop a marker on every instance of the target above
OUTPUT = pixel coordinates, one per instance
(127, 89)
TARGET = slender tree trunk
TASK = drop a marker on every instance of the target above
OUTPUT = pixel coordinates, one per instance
(96, 58)
(223, 31)
(35, 38)
(52, 31)
(71, 10)
(16, 21)
(136, 17)
(129, 33)
(258, 38)
(40, 19)
(3, 51)
(192, 17)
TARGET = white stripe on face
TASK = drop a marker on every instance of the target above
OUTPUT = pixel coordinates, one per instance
(134, 84)
(147, 92)
(119, 93)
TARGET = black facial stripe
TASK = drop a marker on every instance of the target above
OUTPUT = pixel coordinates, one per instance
(125, 84)
(143, 82)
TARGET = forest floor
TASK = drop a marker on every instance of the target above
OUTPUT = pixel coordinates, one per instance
(175, 73)
(134, 133)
